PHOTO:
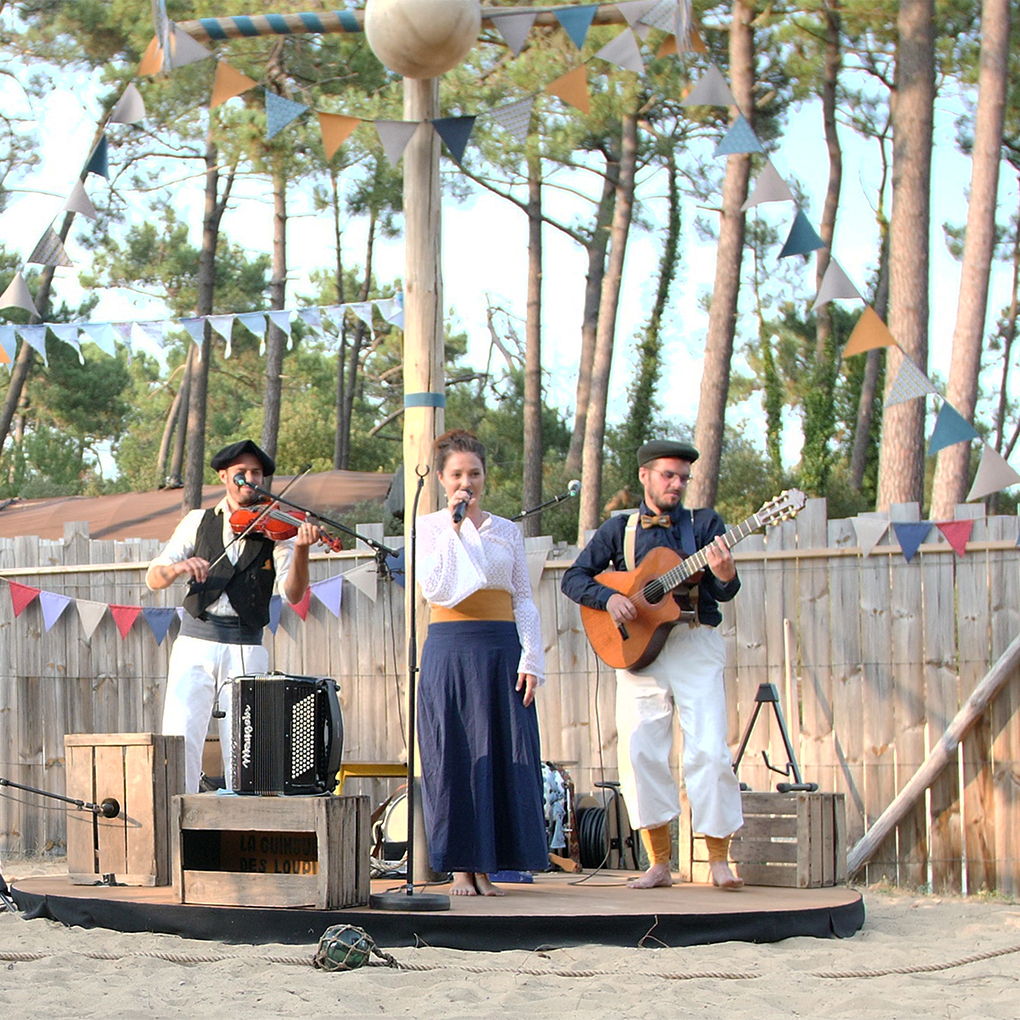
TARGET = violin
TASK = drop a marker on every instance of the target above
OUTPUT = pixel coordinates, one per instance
(275, 523)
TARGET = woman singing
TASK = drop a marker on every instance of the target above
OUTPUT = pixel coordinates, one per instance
(482, 660)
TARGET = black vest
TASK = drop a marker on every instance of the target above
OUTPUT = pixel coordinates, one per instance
(248, 583)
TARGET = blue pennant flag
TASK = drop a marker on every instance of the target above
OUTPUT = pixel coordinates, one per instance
(99, 162)
(159, 621)
(740, 138)
(455, 132)
(576, 21)
(802, 238)
(910, 535)
(280, 112)
(950, 428)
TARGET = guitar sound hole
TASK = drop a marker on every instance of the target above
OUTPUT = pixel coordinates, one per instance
(653, 592)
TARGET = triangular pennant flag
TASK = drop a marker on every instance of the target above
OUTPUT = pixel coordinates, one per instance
(102, 335)
(159, 620)
(572, 88)
(397, 566)
(455, 132)
(123, 331)
(301, 608)
(711, 90)
(254, 322)
(515, 117)
(223, 324)
(623, 51)
(53, 604)
(869, 532)
(394, 135)
(909, 384)
(275, 609)
(910, 535)
(802, 239)
(49, 250)
(336, 129)
(90, 613)
(335, 314)
(869, 333)
(280, 112)
(22, 595)
(835, 284)
(195, 327)
(329, 593)
(514, 28)
(392, 310)
(363, 310)
(228, 83)
(993, 475)
(79, 202)
(152, 58)
(147, 337)
(662, 16)
(124, 617)
(576, 21)
(667, 49)
(957, 533)
(98, 163)
(740, 138)
(186, 49)
(311, 317)
(634, 10)
(67, 332)
(280, 318)
(130, 108)
(8, 344)
(365, 579)
(950, 428)
(770, 187)
(17, 295)
(35, 337)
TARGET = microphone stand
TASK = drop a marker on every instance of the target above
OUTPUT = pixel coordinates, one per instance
(409, 899)
(555, 501)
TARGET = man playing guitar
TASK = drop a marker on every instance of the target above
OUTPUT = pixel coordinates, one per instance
(686, 675)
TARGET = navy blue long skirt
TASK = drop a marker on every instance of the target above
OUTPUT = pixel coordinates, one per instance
(480, 752)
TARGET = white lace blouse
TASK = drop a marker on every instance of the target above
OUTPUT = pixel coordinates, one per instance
(451, 567)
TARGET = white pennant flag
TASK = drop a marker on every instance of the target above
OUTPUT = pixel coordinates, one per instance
(365, 578)
(78, 201)
(90, 613)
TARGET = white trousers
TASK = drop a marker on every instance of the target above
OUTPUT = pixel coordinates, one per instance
(687, 675)
(197, 670)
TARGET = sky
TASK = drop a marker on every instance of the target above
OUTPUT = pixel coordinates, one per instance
(485, 247)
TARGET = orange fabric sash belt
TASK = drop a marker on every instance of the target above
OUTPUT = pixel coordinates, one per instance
(487, 604)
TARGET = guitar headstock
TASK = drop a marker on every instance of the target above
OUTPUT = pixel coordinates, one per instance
(783, 507)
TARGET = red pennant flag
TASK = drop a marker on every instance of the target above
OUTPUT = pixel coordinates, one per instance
(124, 617)
(21, 596)
(957, 533)
(301, 608)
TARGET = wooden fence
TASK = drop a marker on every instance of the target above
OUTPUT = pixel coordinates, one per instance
(872, 656)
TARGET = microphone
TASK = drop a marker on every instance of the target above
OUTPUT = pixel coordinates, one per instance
(241, 482)
(461, 508)
(573, 487)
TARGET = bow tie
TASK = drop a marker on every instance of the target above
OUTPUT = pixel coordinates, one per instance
(656, 521)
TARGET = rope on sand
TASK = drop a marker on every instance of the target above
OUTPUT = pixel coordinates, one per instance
(920, 968)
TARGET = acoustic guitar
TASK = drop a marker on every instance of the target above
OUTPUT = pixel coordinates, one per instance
(660, 590)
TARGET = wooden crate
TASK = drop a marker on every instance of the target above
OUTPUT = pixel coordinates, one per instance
(143, 772)
(271, 851)
(796, 840)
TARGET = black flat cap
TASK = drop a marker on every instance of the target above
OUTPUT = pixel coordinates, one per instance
(666, 448)
(229, 454)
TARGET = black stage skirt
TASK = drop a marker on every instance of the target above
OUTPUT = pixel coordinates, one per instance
(480, 753)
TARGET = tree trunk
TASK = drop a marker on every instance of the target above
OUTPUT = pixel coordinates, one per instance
(722, 319)
(901, 458)
(341, 438)
(596, 247)
(952, 474)
(531, 490)
(276, 338)
(595, 426)
(176, 473)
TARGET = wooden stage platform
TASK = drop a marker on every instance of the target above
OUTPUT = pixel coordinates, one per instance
(556, 910)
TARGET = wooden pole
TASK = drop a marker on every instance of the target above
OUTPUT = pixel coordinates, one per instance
(939, 756)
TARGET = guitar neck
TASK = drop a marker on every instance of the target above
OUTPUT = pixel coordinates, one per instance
(692, 564)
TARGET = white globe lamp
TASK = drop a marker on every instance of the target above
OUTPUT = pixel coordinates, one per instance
(422, 38)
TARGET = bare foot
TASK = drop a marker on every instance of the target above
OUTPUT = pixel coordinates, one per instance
(657, 876)
(463, 884)
(723, 877)
(485, 887)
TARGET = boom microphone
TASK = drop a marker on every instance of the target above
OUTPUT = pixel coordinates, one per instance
(241, 482)
(573, 487)
(461, 508)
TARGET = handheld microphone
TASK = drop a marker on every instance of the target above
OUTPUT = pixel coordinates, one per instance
(461, 508)
(573, 487)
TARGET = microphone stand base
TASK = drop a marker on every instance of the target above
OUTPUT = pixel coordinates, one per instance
(409, 901)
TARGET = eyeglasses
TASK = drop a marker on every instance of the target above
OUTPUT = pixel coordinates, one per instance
(669, 476)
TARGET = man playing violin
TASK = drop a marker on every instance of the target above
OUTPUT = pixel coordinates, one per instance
(231, 580)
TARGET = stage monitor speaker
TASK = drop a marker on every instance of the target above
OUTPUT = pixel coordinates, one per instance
(287, 734)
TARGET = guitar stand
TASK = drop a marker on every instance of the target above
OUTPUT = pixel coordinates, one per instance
(767, 694)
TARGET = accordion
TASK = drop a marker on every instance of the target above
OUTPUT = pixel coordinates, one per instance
(287, 734)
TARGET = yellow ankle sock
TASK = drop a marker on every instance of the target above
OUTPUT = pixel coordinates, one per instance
(657, 844)
(718, 849)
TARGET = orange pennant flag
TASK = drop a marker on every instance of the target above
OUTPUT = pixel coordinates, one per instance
(336, 129)
(668, 47)
(5, 358)
(696, 43)
(869, 333)
(301, 608)
(229, 83)
(152, 58)
(124, 617)
(572, 88)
